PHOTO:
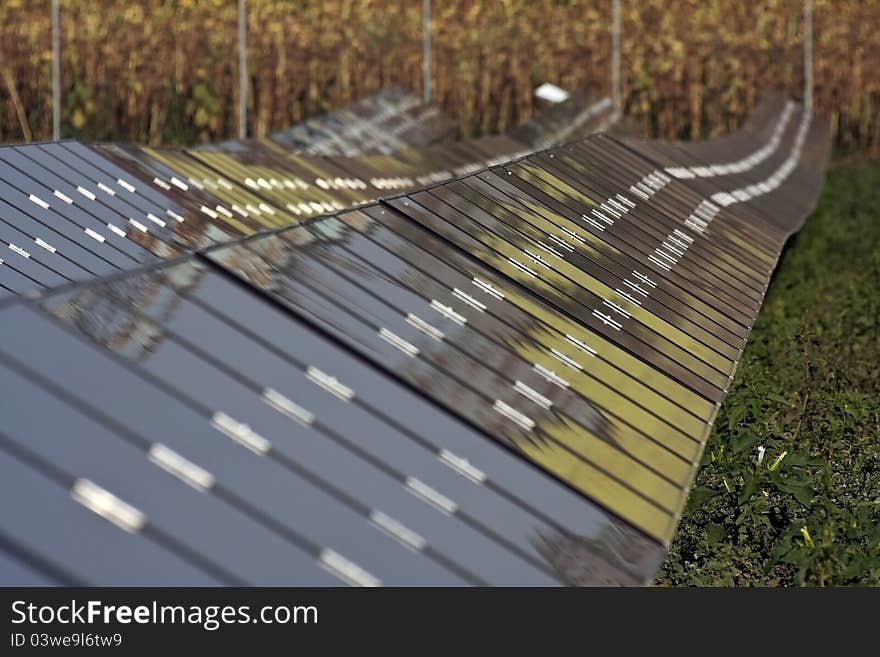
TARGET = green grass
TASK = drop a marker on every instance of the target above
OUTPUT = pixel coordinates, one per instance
(807, 390)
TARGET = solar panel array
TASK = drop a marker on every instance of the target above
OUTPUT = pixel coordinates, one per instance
(506, 378)
(69, 211)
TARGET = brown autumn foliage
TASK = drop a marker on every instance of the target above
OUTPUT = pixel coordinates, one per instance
(164, 71)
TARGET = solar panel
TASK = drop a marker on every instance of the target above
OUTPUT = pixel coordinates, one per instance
(72, 212)
(504, 378)
(385, 122)
(505, 396)
(579, 115)
(254, 415)
(51, 239)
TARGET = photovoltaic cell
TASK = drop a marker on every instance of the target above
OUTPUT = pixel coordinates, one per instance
(69, 537)
(17, 571)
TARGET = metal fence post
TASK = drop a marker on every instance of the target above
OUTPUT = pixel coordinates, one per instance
(426, 51)
(242, 70)
(56, 72)
(615, 55)
(808, 54)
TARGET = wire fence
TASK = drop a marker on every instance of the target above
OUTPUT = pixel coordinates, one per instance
(480, 64)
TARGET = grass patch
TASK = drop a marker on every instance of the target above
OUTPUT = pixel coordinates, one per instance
(789, 489)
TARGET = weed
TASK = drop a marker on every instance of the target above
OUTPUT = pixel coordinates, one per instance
(789, 489)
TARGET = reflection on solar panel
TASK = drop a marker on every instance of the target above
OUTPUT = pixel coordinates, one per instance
(502, 379)
(388, 121)
(565, 121)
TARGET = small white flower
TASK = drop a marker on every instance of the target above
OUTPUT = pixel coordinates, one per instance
(761, 451)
